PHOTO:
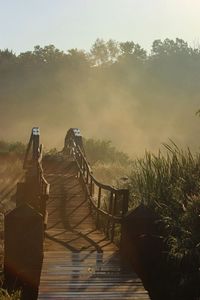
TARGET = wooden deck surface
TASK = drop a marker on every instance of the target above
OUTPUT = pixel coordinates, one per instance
(79, 262)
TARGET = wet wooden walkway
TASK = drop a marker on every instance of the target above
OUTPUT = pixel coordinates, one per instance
(79, 262)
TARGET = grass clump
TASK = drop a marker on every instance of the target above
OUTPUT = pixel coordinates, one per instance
(169, 184)
(4, 295)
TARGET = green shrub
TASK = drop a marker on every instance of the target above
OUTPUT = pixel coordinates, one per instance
(108, 164)
(103, 151)
(17, 147)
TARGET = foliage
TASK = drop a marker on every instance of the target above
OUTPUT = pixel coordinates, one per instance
(104, 52)
(108, 164)
(116, 84)
(170, 184)
(103, 151)
(51, 153)
(17, 147)
(111, 173)
(4, 295)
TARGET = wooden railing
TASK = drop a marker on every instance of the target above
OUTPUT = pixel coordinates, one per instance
(25, 225)
(108, 203)
(34, 172)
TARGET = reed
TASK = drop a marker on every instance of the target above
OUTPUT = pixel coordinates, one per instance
(169, 183)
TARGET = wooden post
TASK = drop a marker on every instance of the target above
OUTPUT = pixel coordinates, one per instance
(28, 193)
(83, 168)
(123, 233)
(91, 186)
(21, 194)
(36, 142)
(110, 212)
(113, 214)
(125, 202)
(86, 194)
(98, 205)
(87, 175)
(24, 234)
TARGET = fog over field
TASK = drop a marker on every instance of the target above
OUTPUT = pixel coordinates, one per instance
(115, 91)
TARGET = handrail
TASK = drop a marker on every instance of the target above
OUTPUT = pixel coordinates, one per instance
(110, 204)
(33, 166)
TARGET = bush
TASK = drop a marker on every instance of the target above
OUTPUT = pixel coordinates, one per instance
(7, 148)
(103, 151)
(115, 174)
(108, 164)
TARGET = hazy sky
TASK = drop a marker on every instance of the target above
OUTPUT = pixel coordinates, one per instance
(77, 23)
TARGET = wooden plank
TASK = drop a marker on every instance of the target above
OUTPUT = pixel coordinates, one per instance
(79, 263)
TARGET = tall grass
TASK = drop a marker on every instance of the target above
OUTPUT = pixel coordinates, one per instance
(169, 183)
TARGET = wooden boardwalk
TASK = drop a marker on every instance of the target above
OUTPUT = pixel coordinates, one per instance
(79, 262)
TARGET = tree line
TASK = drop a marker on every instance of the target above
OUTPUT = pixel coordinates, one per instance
(54, 87)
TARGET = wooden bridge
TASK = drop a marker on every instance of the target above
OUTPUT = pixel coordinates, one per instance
(83, 232)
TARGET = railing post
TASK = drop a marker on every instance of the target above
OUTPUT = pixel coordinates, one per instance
(87, 175)
(86, 194)
(84, 168)
(98, 205)
(36, 142)
(110, 212)
(91, 186)
(125, 202)
(123, 244)
(113, 214)
(23, 240)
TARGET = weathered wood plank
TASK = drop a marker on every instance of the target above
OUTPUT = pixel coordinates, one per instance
(79, 263)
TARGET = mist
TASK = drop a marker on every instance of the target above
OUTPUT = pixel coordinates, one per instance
(115, 92)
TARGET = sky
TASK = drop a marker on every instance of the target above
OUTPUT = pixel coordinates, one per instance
(78, 23)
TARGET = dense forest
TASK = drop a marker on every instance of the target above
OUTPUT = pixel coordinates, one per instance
(116, 91)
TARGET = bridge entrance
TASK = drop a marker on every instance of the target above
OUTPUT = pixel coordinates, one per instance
(82, 234)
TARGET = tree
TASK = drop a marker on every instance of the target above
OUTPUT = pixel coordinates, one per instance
(127, 48)
(48, 54)
(170, 47)
(7, 58)
(132, 50)
(103, 52)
